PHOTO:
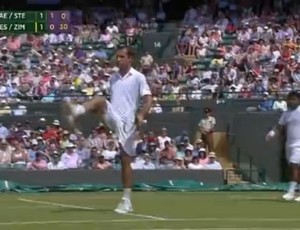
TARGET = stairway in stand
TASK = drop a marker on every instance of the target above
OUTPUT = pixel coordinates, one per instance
(221, 147)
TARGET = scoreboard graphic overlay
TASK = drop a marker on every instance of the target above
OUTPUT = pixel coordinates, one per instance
(18, 22)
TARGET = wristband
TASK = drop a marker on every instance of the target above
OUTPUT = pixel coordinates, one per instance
(272, 133)
(79, 110)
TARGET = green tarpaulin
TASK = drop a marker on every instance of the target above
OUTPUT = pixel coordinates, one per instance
(171, 185)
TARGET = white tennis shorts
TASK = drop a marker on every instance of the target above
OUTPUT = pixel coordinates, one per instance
(293, 155)
(124, 129)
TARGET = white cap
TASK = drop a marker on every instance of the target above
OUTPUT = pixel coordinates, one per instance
(34, 142)
(70, 145)
(66, 132)
(189, 148)
(212, 154)
(266, 93)
(56, 122)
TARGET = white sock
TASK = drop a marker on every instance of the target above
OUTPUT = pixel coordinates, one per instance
(127, 193)
(292, 187)
(79, 110)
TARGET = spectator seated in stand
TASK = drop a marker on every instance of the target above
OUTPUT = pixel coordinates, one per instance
(25, 148)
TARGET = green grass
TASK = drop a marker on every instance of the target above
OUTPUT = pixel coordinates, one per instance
(173, 210)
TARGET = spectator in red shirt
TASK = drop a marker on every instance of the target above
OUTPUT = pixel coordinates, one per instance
(54, 132)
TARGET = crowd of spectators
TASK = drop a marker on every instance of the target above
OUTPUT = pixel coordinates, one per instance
(240, 53)
(38, 146)
(238, 56)
(49, 67)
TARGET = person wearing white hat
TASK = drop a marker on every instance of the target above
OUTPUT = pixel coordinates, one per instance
(65, 141)
(147, 164)
(179, 163)
(55, 163)
(70, 158)
(42, 124)
(212, 163)
(122, 114)
(56, 123)
(4, 108)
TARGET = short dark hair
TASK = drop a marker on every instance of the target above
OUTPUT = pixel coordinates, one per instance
(207, 110)
(130, 51)
(294, 94)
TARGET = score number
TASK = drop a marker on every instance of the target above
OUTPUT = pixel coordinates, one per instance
(61, 24)
(59, 27)
(63, 16)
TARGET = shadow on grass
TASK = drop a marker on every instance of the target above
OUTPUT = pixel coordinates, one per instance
(69, 210)
(273, 200)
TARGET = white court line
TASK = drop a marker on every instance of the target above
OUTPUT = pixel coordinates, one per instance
(55, 204)
(24, 207)
(85, 208)
(238, 197)
(154, 220)
(145, 216)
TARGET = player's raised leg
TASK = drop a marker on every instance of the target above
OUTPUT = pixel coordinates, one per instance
(96, 105)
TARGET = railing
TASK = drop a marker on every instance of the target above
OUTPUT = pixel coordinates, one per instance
(261, 176)
(247, 169)
(167, 96)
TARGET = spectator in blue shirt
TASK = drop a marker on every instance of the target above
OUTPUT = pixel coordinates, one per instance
(266, 104)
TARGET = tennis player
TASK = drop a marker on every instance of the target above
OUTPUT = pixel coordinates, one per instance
(129, 103)
(289, 124)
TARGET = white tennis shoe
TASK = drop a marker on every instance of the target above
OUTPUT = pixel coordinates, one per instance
(124, 206)
(297, 199)
(289, 196)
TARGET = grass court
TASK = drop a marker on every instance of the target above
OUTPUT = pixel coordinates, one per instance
(153, 211)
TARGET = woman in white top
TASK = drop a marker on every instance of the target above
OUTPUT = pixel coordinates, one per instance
(279, 104)
(195, 164)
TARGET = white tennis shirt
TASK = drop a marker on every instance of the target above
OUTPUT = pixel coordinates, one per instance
(126, 93)
(291, 120)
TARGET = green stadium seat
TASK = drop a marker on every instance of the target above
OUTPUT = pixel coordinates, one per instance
(229, 36)
(19, 54)
(205, 61)
(19, 166)
(55, 46)
(122, 38)
(26, 47)
(228, 42)
(5, 166)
